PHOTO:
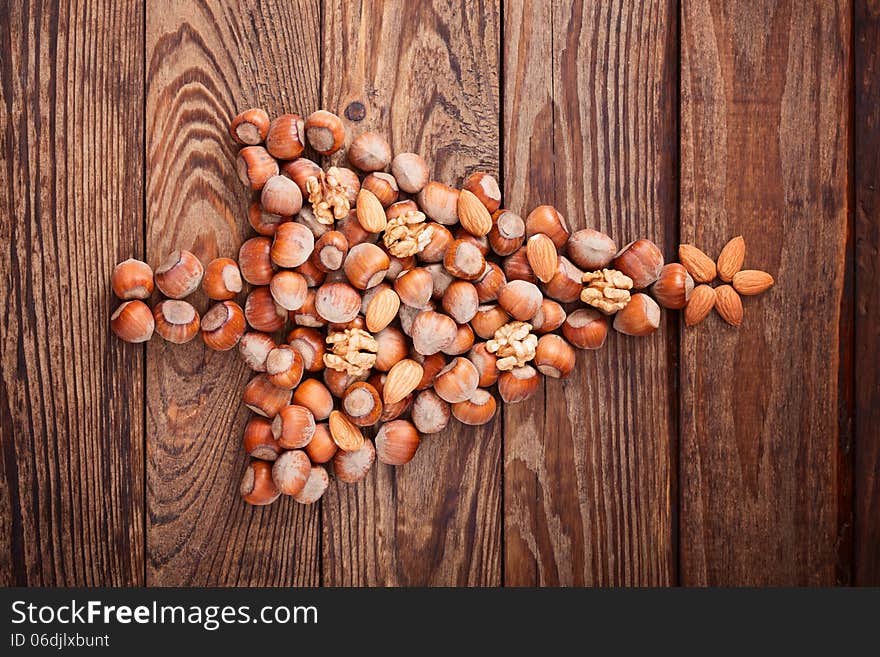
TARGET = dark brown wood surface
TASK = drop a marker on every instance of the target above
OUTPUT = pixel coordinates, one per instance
(698, 456)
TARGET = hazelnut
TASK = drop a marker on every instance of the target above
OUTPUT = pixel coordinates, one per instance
(547, 220)
(383, 186)
(259, 441)
(315, 487)
(337, 302)
(549, 317)
(361, 403)
(430, 413)
(489, 284)
(353, 232)
(674, 286)
(176, 321)
(351, 467)
(508, 232)
(366, 265)
(397, 442)
(255, 166)
(291, 471)
(179, 275)
(431, 366)
(589, 249)
(222, 280)
(293, 244)
(461, 301)
(517, 268)
(586, 328)
(289, 289)
(281, 196)
(392, 348)
(315, 396)
(300, 170)
(464, 260)
(223, 326)
(132, 279)
(478, 409)
(310, 271)
(264, 398)
(439, 202)
(254, 347)
(262, 312)
(310, 345)
(520, 299)
(285, 137)
(325, 132)
(294, 426)
(464, 340)
(414, 287)
(642, 261)
(489, 318)
(554, 357)
(484, 186)
(485, 362)
(284, 367)
(330, 251)
(410, 171)
(369, 152)
(438, 243)
(337, 381)
(257, 486)
(250, 127)
(265, 223)
(440, 280)
(133, 322)
(518, 384)
(348, 182)
(255, 262)
(457, 381)
(567, 284)
(641, 316)
(321, 447)
(479, 241)
(432, 332)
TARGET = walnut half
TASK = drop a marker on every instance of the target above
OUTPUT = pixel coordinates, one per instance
(328, 196)
(407, 234)
(514, 344)
(606, 290)
(354, 351)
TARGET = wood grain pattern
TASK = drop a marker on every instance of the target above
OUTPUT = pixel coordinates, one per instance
(590, 127)
(206, 61)
(765, 134)
(71, 395)
(427, 74)
(867, 292)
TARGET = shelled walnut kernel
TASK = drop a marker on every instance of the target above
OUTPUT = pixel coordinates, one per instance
(514, 344)
(353, 351)
(606, 290)
(407, 234)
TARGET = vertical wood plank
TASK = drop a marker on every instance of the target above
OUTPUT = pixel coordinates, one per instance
(427, 74)
(71, 395)
(206, 61)
(589, 126)
(867, 291)
(765, 135)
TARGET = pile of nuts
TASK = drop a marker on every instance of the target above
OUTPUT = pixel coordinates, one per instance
(410, 301)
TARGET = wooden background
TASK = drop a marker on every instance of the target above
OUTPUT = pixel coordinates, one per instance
(702, 457)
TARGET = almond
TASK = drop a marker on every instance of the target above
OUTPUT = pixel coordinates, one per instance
(542, 256)
(731, 258)
(382, 309)
(345, 434)
(700, 266)
(370, 213)
(473, 215)
(700, 305)
(729, 305)
(751, 281)
(402, 379)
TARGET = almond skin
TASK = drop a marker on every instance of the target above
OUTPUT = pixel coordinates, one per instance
(401, 380)
(542, 256)
(382, 310)
(729, 305)
(700, 305)
(370, 213)
(345, 434)
(752, 281)
(473, 215)
(700, 266)
(731, 258)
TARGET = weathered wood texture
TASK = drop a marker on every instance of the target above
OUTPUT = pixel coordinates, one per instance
(427, 74)
(71, 395)
(764, 153)
(867, 292)
(206, 61)
(590, 127)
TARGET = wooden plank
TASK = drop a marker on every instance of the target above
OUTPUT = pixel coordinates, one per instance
(867, 292)
(71, 395)
(764, 142)
(205, 62)
(427, 76)
(589, 126)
